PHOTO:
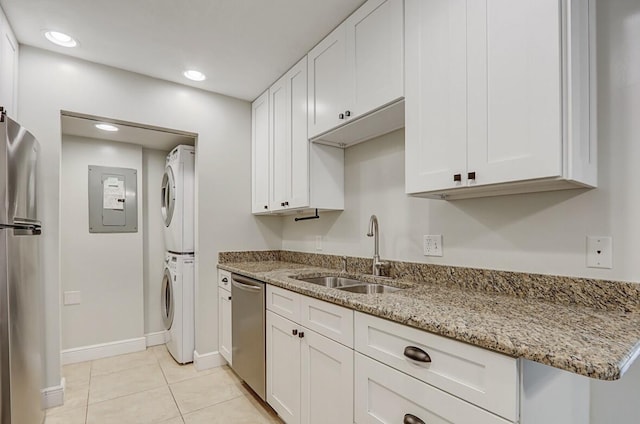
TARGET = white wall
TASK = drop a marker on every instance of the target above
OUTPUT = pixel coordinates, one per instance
(153, 251)
(106, 268)
(50, 83)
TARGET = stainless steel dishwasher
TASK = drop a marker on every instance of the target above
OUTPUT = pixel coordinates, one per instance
(248, 332)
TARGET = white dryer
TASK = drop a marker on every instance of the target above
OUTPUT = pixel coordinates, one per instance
(178, 306)
(178, 200)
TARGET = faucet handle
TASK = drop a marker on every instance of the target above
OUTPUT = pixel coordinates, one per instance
(344, 264)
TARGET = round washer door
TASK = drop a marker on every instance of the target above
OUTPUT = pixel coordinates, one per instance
(168, 196)
(167, 300)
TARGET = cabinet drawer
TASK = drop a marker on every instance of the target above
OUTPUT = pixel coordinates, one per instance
(332, 321)
(224, 279)
(484, 378)
(385, 396)
(284, 302)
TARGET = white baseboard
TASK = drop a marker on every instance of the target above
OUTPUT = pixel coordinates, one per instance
(53, 396)
(209, 360)
(103, 350)
(157, 338)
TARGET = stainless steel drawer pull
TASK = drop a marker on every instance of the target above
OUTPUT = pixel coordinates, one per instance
(412, 419)
(416, 354)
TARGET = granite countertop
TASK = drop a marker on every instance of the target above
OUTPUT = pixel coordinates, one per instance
(594, 342)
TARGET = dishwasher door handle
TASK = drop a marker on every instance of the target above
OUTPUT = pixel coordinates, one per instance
(246, 287)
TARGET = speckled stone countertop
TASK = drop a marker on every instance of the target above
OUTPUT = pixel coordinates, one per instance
(595, 335)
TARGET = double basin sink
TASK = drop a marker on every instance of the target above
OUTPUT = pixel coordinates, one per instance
(350, 285)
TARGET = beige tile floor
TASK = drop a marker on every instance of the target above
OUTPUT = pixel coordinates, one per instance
(151, 388)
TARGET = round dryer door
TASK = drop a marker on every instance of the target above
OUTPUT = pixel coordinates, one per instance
(168, 196)
(167, 300)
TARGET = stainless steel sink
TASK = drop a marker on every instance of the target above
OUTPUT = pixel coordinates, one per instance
(368, 288)
(333, 282)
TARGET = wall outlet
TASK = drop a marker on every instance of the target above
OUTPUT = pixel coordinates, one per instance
(599, 252)
(72, 298)
(432, 245)
(318, 243)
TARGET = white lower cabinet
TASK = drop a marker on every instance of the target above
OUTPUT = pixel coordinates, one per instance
(309, 376)
(386, 396)
(224, 324)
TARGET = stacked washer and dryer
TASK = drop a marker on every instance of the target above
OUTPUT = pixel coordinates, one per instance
(178, 281)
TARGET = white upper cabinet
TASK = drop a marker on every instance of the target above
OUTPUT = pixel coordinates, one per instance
(289, 174)
(260, 154)
(328, 83)
(289, 143)
(8, 67)
(498, 96)
(356, 70)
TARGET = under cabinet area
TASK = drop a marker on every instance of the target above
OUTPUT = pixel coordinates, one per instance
(499, 97)
(356, 70)
(309, 376)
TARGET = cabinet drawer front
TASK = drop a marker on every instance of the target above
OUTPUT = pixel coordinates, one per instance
(482, 377)
(284, 302)
(333, 321)
(384, 396)
(224, 279)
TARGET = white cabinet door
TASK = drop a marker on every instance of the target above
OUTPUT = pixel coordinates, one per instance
(280, 168)
(224, 324)
(298, 193)
(289, 144)
(283, 367)
(436, 96)
(374, 40)
(329, 80)
(260, 154)
(387, 396)
(8, 67)
(327, 381)
(515, 90)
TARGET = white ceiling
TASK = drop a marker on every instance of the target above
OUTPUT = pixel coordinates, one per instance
(241, 45)
(150, 138)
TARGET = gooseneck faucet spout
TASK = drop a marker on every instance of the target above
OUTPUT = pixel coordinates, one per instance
(377, 267)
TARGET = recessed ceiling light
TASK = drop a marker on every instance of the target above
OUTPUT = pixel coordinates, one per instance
(61, 39)
(194, 75)
(106, 127)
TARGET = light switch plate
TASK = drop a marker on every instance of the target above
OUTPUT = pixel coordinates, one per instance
(72, 298)
(432, 245)
(599, 252)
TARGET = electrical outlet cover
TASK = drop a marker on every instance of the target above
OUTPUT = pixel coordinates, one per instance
(599, 252)
(432, 245)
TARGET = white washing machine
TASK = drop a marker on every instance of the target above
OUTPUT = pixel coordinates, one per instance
(178, 306)
(178, 200)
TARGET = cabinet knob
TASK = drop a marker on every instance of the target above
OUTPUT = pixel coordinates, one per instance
(294, 332)
(229, 298)
(266, 207)
(341, 116)
(301, 334)
(286, 203)
(411, 419)
(471, 175)
(347, 113)
(457, 177)
(225, 280)
(281, 203)
(416, 354)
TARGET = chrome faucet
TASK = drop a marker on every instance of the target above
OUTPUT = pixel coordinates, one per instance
(378, 266)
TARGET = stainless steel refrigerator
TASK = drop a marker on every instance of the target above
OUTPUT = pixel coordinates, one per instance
(21, 294)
